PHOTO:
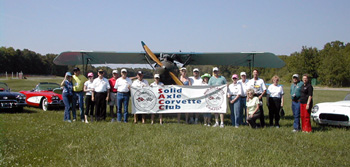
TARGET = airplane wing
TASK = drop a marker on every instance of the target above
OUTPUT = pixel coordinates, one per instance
(93, 57)
(255, 59)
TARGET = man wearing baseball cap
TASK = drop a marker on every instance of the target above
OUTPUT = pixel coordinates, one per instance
(140, 83)
(196, 80)
(78, 93)
(295, 96)
(123, 84)
(244, 82)
(216, 80)
(113, 95)
(100, 95)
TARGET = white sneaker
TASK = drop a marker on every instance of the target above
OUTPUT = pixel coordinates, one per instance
(86, 121)
(208, 125)
(221, 125)
(216, 124)
(74, 120)
(205, 124)
(82, 121)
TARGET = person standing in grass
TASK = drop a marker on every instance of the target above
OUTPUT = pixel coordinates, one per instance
(100, 95)
(140, 83)
(244, 82)
(186, 82)
(123, 84)
(113, 95)
(207, 116)
(196, 80)
(217, 80)
(89, 104)
(275, 101)
(67, 95)
(295, 96)
(306, 91)
(252, 108)
(155, 84)
(259, 87)
(78, 92)
(234, 92)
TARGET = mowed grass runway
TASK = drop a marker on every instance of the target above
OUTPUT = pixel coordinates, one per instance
(37, 138)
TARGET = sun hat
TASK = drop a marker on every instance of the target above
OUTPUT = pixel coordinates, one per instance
(69, 74)
(235, 76)
(90, 74)
(205, 75)
(156, 76)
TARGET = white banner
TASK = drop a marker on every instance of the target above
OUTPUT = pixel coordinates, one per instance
(179, 99)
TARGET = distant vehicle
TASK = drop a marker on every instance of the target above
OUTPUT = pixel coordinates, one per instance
(11, 100)
(45, 95)
(332, 113)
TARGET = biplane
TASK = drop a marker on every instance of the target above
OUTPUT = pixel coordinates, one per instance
(166, 63)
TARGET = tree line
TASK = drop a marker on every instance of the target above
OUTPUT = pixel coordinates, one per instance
(329, 65)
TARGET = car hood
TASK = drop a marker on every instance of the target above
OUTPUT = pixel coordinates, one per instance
(11, 95)
(344, 103)
(41, 93)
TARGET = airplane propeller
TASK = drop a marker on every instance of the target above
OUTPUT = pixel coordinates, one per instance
(154, 58)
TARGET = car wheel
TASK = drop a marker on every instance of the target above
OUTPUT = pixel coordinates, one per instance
(44, 104)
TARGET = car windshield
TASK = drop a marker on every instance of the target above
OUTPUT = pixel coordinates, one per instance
(347, 97)
(3, 87)
(47, 86)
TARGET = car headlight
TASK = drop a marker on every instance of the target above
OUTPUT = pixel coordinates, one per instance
(54, 98)
(20, 97)
(314, 109)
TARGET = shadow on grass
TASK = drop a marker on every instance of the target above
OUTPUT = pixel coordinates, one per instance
(14, 111)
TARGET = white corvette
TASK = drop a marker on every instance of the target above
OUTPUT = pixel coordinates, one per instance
(332, 113)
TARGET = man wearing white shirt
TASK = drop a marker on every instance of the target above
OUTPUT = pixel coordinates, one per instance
(140, 83)
(123, 84)
(259, 87)
(244, 82)
(100, 95)
(196, 80)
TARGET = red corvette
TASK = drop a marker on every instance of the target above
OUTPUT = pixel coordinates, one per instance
(45, 95)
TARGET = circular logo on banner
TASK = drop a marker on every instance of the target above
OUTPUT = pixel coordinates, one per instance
(214, 98)
(144, 99)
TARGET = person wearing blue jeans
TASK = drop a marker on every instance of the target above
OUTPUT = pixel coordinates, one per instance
(295, 96)
(123, 100)
(234, 92)
(67, 95)
(244, 82)
(78, 96)
(122, 84)
(78, 93)
(236, 115)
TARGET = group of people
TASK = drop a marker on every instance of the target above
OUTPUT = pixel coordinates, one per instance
(244, 97)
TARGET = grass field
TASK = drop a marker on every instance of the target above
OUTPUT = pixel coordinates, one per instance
(37, 138)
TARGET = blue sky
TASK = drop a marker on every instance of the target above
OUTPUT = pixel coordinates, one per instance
(277, 26)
